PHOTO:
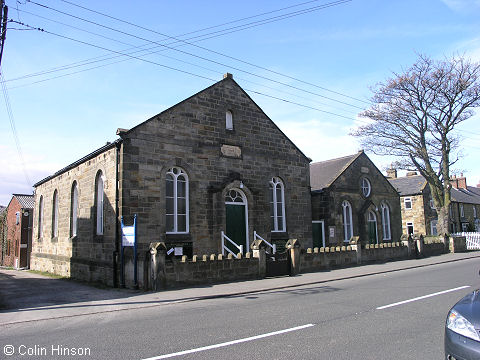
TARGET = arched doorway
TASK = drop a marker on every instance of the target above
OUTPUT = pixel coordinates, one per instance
(372, 227)
(236, 218)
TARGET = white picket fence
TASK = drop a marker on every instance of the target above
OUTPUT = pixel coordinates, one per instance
(473, 239)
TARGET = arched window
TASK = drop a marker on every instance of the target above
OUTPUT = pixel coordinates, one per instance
(386, 222)
(277, 205)
(347, 221)
(74, 210)
(176, 196)
(40, 217)
(366, 187)
(229, 120)
(55, 214)
(99, 194)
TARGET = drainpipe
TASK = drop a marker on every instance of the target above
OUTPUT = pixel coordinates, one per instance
(117, 191)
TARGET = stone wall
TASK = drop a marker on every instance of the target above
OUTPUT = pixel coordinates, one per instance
(86, 256)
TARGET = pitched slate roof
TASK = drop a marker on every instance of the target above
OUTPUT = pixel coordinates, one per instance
(26, 201)
(324, 173)
(409, 185)
(106, 147)
(471, 195)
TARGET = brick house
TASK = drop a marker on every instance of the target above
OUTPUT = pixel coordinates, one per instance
(418, 211)
(351, 197)
(213, 163)
(16, 232)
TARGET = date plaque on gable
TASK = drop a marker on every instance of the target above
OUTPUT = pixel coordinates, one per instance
(231, 151)
(365, 170)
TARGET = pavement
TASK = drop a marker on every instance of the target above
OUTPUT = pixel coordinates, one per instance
(27, 297)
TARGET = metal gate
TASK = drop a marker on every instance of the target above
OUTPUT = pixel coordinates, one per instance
(278, 264)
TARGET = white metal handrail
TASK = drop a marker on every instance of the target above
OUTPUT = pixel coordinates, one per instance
(224, 247)
(274, 246)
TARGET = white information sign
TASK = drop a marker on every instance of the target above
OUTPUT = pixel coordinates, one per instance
(178, 251)
(128, 236)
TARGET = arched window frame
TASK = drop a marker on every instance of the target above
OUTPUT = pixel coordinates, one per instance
(229, 120)
(99, 202)
(277, 203)
(173, 194)
(55, 214)
(347, 221)
(387, 231)
(74, 210)
(40, 217)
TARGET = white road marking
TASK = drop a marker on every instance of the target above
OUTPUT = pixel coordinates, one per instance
(228, 343)
(422, 297)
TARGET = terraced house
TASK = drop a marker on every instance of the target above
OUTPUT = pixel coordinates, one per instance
(212, 167)
(418, 211)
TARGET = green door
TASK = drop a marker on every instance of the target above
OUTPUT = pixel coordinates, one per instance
(372, 232)
(236, 227)
(317, 234)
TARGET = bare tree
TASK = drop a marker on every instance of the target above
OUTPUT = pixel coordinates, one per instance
(413, 116)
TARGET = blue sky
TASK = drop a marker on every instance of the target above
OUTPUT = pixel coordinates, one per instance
(342, 49)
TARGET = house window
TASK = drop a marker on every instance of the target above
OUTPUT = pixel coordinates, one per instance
(229, 120)
(432, 204)
(450, 211)
(474, 212)
(462, 212)
(40, 218)
(464, 227)
(433, 227)
(277, 205)
(347, 221)
(386, 222)
(366, 187)
(408, 203)
(99, 195)
(409, 228)
(176, 195)
(17, 217)
(74, 210)
(55, 214)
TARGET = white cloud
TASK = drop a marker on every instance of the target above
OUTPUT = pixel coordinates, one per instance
(462, 5)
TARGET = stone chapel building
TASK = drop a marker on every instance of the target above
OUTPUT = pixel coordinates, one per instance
(351, 197)
(213, 163)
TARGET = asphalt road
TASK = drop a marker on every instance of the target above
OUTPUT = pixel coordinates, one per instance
(336, 320)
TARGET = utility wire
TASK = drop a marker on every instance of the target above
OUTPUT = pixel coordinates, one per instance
(14, 129)
(173, 68)
(177, 38)
(198, 56)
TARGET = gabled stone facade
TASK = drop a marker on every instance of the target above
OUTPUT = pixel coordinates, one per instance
(351, 197)
(212, 164)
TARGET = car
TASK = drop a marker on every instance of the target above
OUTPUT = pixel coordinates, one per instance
(462, 329)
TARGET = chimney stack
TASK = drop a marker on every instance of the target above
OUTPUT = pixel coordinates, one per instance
(459, 182)
(391, 173)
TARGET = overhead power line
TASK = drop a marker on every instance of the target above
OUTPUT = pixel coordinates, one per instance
(170, 67)
(183, 41)
(14, 129)
(178, 38)
(201, 57)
